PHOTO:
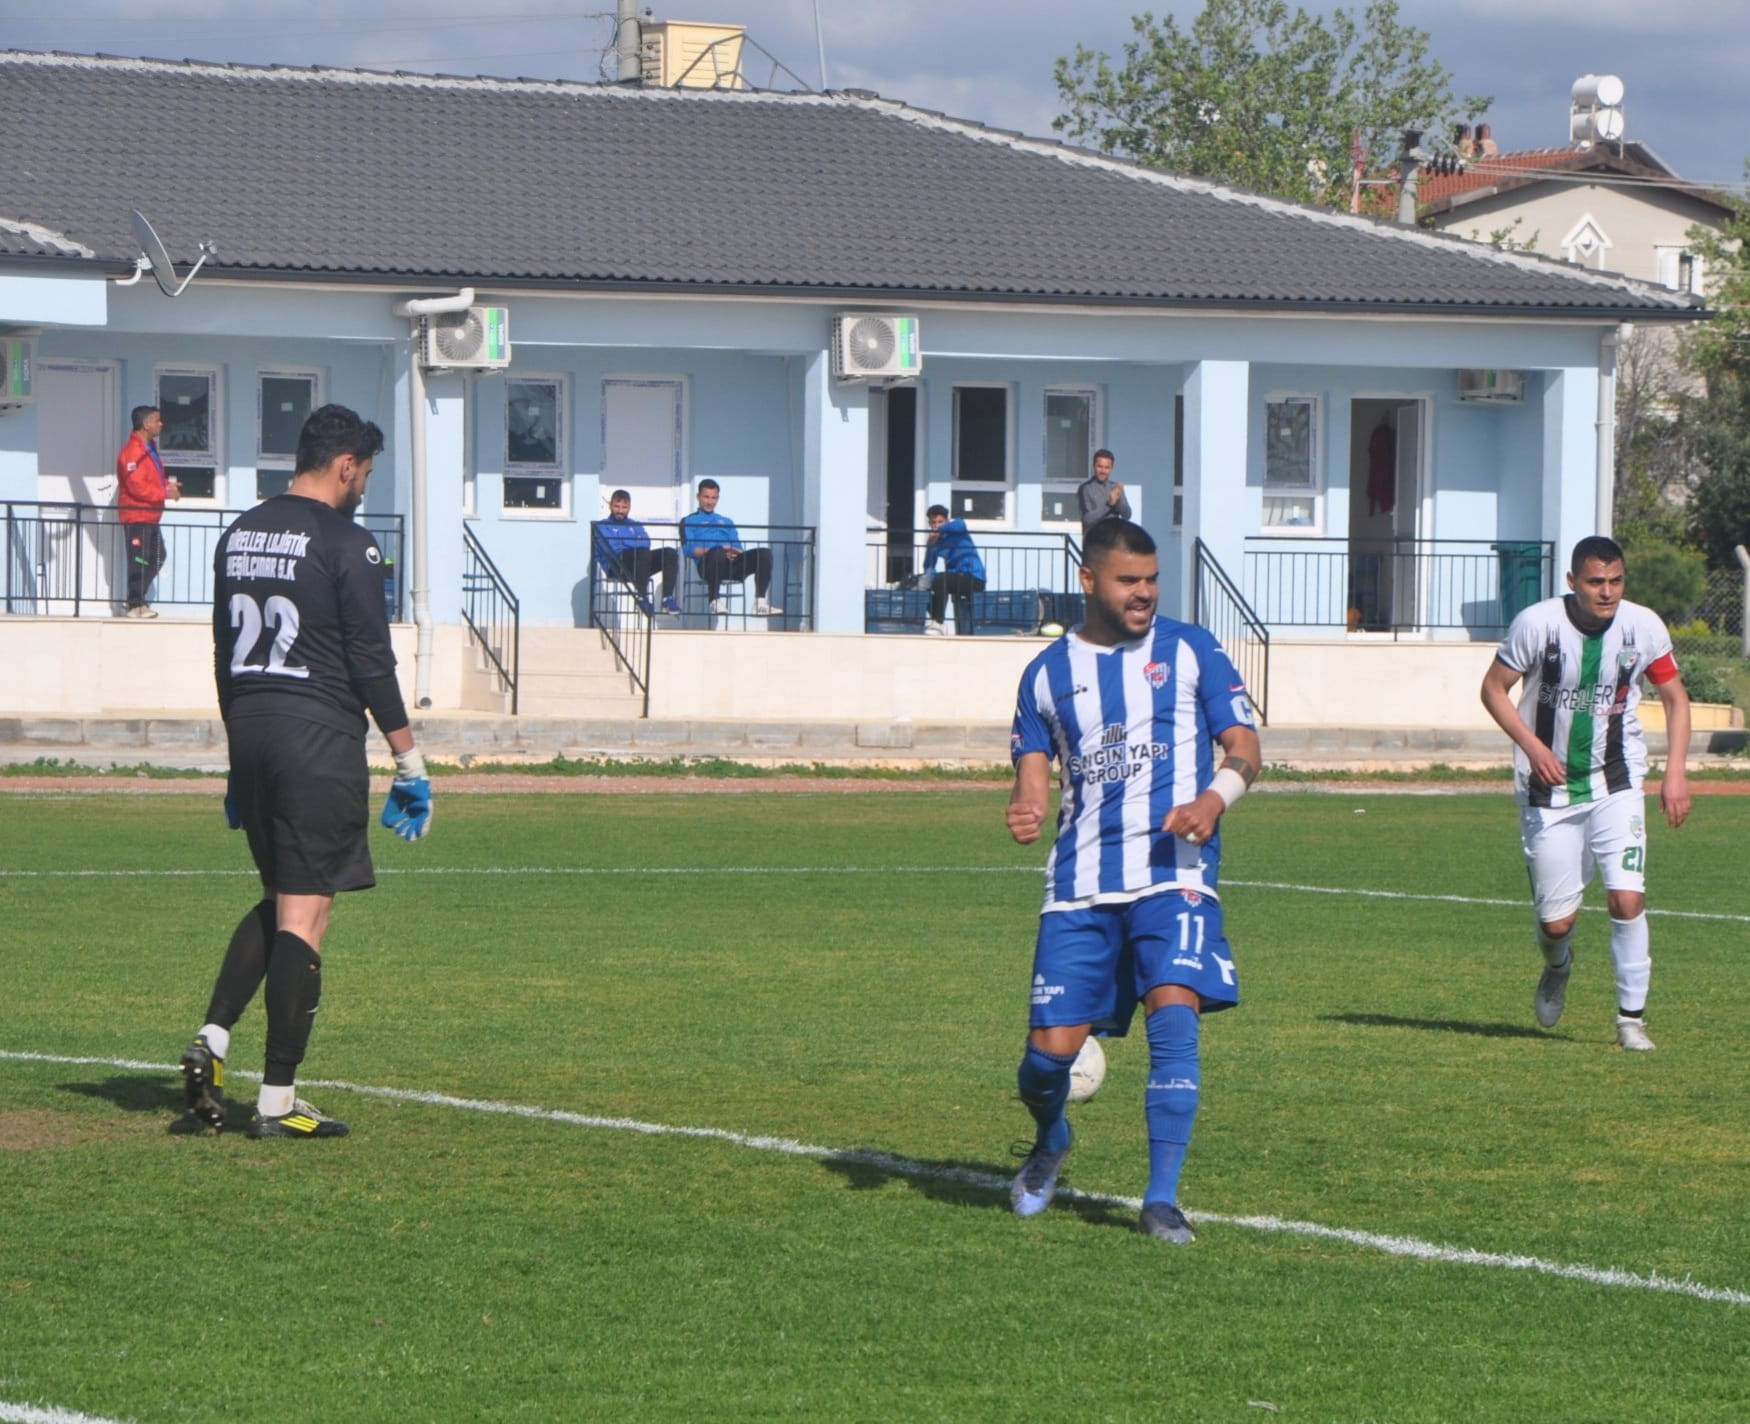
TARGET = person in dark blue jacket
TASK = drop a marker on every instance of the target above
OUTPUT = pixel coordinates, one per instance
(714, 544)
(963, 571)
(623, 550)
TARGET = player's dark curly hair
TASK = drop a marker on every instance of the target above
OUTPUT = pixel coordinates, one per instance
(1114, 533)
(333, 431)
(1595, 546)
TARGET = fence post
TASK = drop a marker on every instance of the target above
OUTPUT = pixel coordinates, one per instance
(1744, 563)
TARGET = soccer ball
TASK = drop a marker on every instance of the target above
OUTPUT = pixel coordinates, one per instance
(1088, 1071)
(1051, 630)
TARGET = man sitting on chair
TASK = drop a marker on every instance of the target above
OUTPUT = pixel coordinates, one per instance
(623, 550)
(715, 547)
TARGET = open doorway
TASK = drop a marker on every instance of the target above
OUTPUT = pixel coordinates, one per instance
(1386, 487)
(899, 442)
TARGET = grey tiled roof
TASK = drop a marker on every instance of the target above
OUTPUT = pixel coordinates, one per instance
(502, 183)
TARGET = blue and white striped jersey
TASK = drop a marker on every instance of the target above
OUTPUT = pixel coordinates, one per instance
(1131, 728)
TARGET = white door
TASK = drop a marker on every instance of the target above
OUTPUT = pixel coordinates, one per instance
(79, 428)
(644, 447)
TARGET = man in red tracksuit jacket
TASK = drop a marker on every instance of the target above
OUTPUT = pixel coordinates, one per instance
(144, 488)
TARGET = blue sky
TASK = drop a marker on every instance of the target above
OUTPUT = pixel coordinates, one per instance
(989, 60)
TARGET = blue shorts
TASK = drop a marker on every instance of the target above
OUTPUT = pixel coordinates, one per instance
(1095, 965)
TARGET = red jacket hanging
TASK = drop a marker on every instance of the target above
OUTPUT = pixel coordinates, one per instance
(1382, 470)
(143, 486)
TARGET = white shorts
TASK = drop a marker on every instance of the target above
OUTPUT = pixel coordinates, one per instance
(1566, 845)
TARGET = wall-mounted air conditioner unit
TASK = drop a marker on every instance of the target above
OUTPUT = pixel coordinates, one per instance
(875, 346)
(475, 339)
(17, 365)
(1491, 387)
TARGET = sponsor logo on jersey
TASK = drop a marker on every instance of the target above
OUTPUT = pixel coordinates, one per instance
(1114, 734)
(1599, 698)
(1157, 674)
(1044, 993)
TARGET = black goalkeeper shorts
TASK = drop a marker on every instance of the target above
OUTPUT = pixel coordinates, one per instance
(303, 792)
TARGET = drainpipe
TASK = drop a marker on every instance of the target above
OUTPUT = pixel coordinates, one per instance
(1606, 425)
(419, 532)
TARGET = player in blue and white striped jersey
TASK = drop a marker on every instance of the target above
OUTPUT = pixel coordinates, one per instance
(1128, 705)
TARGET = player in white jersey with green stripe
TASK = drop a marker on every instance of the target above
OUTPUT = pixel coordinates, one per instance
(1579, 763)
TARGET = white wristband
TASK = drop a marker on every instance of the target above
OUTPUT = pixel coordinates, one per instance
(1228, 784)
(409, 765)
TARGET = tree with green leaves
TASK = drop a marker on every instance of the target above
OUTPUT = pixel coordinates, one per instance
(1259, 96)
(1717, 425)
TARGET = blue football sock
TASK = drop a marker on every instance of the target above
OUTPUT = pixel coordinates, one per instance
(1043, 1079)
(1170, 1102)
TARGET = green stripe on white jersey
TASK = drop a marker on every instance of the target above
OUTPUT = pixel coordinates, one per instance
(1579, 696)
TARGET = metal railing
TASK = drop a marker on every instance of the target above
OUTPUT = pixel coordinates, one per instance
(68, 560)
(1396, 586)
(1031, 580)
(492, 613)
(786, 550)
(1220, 607)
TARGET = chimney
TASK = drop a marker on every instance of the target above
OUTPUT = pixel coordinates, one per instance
(1486, 145)
(1463, 142)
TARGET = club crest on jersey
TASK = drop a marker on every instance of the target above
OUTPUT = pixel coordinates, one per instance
(1191, 898)
(1628, 659)
(1637, 828)
(1157, 674)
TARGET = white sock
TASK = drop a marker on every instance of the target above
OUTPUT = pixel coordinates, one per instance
(1554, 950)
(275, 1101)
(218, 1039)
(1634, 962)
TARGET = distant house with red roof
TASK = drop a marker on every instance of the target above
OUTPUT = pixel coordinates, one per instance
(1610, 207)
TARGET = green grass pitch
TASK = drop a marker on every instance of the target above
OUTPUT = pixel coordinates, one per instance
(847, 971)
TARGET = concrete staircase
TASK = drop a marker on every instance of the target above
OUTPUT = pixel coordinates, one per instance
(563, 672)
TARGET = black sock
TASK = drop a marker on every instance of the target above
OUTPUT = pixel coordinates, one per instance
(245, 966)
(294, 988)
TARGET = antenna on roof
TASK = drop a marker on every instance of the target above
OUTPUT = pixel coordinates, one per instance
(154, 257)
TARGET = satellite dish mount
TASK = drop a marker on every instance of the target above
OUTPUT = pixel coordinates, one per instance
(155, 259)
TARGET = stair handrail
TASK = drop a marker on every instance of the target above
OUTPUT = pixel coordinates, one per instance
(489, 606)
(1217, 600)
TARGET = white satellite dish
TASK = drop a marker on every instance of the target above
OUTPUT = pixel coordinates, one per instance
(154, 257)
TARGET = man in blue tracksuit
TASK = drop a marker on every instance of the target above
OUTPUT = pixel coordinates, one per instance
(713, 544)
(623, 550)
(963, 571)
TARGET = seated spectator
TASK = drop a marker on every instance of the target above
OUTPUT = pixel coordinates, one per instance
(713, 544)
(623, 551)
(963, 573)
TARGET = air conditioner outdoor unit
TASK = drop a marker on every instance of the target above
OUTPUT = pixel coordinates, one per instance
(17, 364)
(477, 338)
(874, 346)
(1492, 387)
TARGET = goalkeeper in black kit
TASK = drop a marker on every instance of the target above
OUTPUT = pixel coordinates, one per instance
(300, 652)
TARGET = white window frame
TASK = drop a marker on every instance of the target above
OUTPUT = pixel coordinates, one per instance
(264, 460)
(560, 469)
(956, 485)
(214, 455)
(1312, 491)
(1096, 439)
(1671, 259)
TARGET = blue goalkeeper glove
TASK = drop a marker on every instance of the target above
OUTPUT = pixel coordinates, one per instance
(233, 817)
(408, 810)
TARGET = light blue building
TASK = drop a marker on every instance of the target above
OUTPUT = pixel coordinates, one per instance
(1344, 433)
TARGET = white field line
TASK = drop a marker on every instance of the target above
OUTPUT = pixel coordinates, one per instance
(45, 1414)
(592, 870)
(906, 1167)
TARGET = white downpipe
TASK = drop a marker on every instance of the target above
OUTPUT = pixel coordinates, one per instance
(1744, 564)
(419, 530)
(1606, 496)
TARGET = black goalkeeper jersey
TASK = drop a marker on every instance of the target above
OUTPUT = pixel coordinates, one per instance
(300, 625)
